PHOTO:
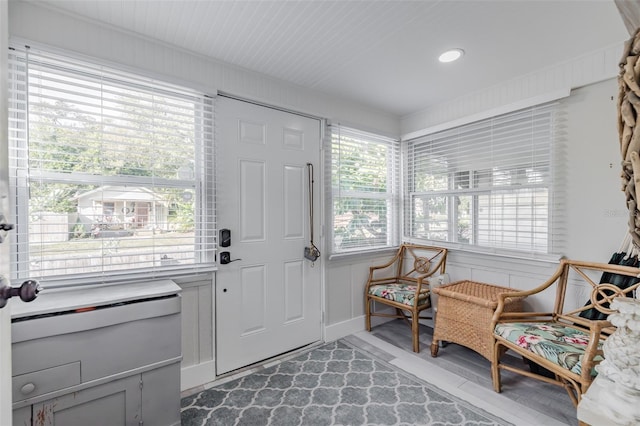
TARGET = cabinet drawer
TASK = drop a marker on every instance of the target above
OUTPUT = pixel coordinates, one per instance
(43, 381)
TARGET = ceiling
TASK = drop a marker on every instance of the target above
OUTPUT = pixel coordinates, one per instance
(379, 53)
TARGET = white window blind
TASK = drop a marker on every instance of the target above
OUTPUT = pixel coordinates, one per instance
(112, 173)
(363, 170)
(488, 184)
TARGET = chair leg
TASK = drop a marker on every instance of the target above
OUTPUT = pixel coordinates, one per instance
(415, 331)
(434, 348)
(495, 367)
(573, 389)
(434, 343)
(367, 313)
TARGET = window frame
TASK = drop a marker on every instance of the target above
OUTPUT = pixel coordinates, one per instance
(202, 182)
(334, 193)
(474, 190)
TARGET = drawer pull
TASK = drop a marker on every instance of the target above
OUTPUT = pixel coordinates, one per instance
(34, 383)
(28, 388)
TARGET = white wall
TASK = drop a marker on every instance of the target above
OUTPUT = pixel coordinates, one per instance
(596, 207)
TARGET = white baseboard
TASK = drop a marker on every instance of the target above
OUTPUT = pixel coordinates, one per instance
(197, 375)
(336, 331)
(344, 328)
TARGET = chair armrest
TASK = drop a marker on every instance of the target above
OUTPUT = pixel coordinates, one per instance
(502, 297)
(499, 315)
(389, 263)
(386, 265)
(502, 301)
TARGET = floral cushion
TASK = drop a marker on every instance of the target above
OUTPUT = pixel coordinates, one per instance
(557, 343)
(401, 293)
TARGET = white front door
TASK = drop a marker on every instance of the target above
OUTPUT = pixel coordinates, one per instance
(5, 316)
(268, 301)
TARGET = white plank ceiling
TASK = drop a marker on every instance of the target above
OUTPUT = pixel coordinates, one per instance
(379, 53)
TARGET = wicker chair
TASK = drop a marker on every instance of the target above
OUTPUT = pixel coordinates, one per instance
(566, 343)
(402, 283)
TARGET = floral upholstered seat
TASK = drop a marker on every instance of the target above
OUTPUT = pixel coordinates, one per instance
(401, 293)
(557, 343)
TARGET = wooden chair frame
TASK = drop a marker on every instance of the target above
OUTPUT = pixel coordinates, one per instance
(601, 294)
(426, 262)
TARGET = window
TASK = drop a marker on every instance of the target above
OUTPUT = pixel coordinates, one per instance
(364, 196)
(488, 184)
(111, 172)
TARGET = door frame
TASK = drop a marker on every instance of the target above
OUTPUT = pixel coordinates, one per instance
(5, 313)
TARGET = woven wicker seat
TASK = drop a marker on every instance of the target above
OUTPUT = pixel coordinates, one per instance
(565, 341)
(402, 283)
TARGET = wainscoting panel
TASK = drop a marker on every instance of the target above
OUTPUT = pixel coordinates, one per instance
(345, 281)
(198, 360)
(493, 277)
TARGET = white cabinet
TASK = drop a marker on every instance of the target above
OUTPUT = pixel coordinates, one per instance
(109, 358)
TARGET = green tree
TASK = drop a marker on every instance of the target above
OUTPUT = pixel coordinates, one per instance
(359, 167)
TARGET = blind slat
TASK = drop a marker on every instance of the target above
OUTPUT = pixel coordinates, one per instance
(363, 174)
(488, 183)
(111, 172)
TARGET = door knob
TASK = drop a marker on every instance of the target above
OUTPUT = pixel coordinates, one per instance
(225, 257)
(28, 291)
(4, 227)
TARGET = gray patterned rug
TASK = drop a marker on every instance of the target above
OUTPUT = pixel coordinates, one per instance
(334, 384)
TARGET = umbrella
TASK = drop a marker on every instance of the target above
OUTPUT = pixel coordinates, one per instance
(627, 256)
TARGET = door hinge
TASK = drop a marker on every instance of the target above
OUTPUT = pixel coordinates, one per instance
(141, 385)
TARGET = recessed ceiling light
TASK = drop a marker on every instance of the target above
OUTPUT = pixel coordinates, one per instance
(451, 55)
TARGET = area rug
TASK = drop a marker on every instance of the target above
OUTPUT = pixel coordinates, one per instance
(334, 384)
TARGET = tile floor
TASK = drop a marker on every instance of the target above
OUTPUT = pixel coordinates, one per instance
(466, 374)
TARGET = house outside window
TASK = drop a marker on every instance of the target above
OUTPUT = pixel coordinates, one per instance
(111, 172)
(488, 185)
(363, 169)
